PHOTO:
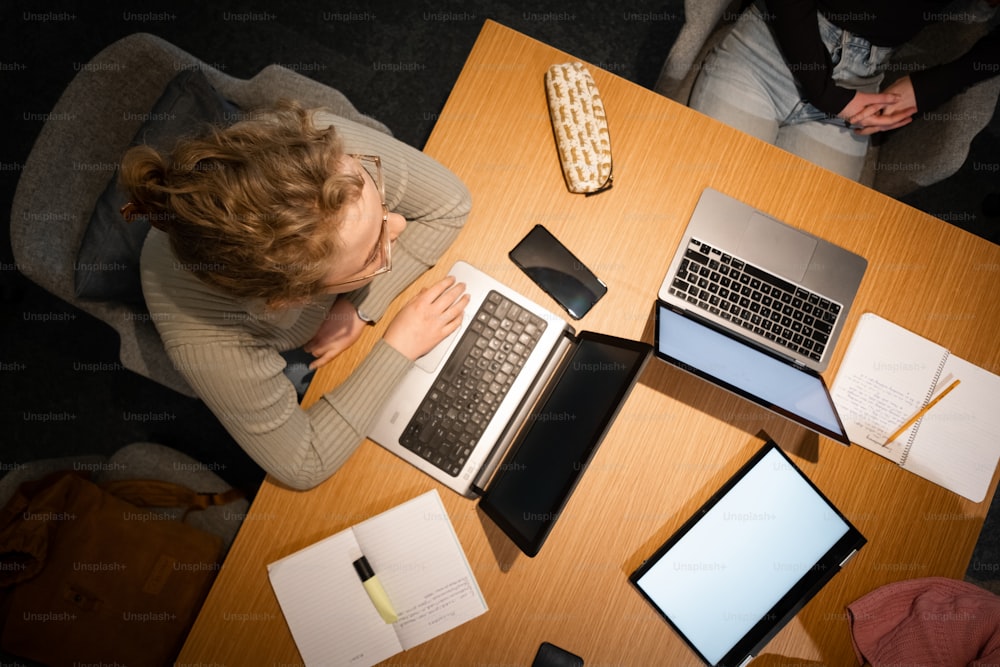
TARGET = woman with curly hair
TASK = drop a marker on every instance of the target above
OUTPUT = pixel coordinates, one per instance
(293, 228)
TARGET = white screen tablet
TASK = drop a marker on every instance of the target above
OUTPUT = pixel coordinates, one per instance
(748, 560)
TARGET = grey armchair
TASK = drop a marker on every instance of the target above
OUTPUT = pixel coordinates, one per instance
(92, 124)
(928, 150)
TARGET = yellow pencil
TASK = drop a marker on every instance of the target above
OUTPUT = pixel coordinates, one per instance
(920, 413)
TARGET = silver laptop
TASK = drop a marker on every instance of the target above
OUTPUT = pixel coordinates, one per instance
(776, 286)
(756, 306)
(476, 396)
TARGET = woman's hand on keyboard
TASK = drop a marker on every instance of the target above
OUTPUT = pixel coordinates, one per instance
(432, 315)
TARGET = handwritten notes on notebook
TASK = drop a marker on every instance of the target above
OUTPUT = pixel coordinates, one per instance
(888, 375)
(414, 552)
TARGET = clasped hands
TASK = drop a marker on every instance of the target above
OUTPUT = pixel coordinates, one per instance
(892, 108)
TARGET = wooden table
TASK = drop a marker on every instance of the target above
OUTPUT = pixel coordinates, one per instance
(677, 438)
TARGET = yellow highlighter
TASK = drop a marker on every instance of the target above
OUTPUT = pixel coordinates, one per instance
(375, 591)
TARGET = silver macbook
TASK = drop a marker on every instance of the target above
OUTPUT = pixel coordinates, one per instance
(756, 306)
(474, 398)
(776, 286)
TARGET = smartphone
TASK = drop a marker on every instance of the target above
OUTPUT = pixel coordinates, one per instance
(557, 271)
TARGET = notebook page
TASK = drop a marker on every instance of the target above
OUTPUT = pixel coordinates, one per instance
(416, 554)
(886, 376)
(957, 443)
(330, 615)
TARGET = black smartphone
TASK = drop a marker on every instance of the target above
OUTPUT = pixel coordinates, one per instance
(550, 655)
(557, 271)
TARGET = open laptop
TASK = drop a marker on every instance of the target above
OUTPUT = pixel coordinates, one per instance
(517, 367)
(756, 306)
(748, 560)
(732, 253)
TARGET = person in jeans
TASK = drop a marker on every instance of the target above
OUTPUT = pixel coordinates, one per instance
(806, 75)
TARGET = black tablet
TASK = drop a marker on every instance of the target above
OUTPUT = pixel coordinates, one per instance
(534, 482)
(739, 569)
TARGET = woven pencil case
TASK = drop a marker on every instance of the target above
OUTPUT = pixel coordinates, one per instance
(580, 127)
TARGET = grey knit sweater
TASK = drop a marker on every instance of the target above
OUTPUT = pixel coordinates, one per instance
(228, 350)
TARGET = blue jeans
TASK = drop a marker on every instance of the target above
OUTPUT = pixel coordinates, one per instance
(746, 83)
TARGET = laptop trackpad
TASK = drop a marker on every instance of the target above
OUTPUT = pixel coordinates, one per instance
(430, 361)
(776, 246)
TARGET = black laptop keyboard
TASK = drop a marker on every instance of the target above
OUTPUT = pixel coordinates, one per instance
(756, 300)
(472, 383)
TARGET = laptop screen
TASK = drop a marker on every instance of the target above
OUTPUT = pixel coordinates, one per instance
(738, 570)
(528, 492)
(755, 375)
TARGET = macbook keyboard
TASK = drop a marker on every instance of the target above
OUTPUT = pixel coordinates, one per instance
(755, 300)
(474, 380)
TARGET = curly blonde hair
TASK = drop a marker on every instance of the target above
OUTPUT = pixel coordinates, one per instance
(251, 209)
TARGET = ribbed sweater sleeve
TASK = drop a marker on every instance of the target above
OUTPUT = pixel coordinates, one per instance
(229, 351)
(245, 388)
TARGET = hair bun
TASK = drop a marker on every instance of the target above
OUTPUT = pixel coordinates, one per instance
(131, 211)
(143, 174)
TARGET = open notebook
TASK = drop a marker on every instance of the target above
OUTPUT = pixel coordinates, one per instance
(888, 375)
(414, 551)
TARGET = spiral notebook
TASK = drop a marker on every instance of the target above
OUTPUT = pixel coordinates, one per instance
(888, 375)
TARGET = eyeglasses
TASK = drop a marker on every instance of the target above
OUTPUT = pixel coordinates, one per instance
(373, 165)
